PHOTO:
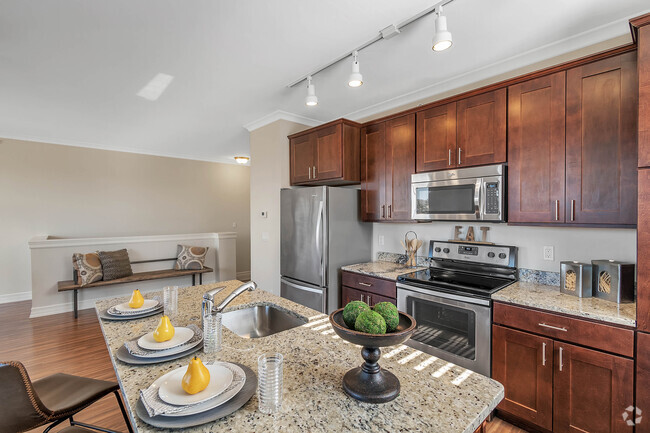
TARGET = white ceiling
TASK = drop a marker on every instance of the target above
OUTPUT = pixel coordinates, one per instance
(70, 69)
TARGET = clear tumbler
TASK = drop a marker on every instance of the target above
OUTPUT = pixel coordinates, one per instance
(212, 335)
(170, 302)
(269, 381)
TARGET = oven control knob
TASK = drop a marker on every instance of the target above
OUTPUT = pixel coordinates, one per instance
(502, 255)
(491, 254)
(437, 249)
(446, 251)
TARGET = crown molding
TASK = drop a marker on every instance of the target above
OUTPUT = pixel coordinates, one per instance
(281, 115)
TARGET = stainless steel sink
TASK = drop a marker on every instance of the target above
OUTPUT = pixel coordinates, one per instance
(260, 321)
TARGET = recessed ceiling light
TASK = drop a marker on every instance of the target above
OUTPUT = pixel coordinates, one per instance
(311, 98)
(442, 38)
(241, 159)
(155, 87)
(356, 79)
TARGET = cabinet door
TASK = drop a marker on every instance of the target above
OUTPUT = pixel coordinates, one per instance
(643, 382)
(592, 390)
(400, 165)
(601, 150)
(523, 363)
(481, 129)
(349, 294)
(436, 138)
(302, 149)
(373, 172)
(329, 159)
(536, 150)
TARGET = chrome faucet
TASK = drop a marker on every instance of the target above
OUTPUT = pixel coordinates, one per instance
(207, 306)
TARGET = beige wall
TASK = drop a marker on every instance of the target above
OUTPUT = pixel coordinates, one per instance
(269, 173)
(48, 189)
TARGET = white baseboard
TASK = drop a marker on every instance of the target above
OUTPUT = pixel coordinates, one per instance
(15, 297)
(244, 276)
(61, 308)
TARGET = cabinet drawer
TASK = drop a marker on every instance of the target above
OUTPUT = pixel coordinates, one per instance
(377, 286)
(597, 335)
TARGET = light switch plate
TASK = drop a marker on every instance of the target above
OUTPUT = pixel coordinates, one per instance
(381, 240)
(265, 214)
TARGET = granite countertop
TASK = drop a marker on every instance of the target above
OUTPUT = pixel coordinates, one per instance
(550, 298)
(435, 395)
(381, 269)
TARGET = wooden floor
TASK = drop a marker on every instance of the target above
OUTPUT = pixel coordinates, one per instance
(59, 343)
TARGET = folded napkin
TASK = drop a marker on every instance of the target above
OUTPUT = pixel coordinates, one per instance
(115, 312)
(155, 406)
(133, 348)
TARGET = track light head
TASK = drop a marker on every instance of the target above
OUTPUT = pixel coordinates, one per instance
(442, 39)
(356, 79)
(311, 99)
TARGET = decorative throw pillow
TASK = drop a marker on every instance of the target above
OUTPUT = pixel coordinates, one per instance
(115, 264)
(190, 257)
(88, 267)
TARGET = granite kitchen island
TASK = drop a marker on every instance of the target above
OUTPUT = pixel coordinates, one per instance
(436, 396)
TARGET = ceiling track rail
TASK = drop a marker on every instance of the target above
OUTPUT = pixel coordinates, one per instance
(386, 33)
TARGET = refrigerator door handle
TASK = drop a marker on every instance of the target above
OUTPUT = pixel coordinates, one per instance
(319, 246)
(305, 288)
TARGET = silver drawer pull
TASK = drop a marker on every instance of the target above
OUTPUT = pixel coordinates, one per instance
(552, 327)
(561, 362)
(543, 354)
(361, 298)
(365, 284)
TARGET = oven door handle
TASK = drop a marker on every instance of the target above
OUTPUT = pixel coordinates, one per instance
(444, 295)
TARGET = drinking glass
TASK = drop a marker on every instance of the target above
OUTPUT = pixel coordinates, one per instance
(269, 382)
(170, 302)
(212, 335)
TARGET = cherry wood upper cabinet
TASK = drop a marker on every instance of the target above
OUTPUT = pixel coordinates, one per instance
(400, 165)
(523, 363)
(481, 129)
(373, 172)
(436, 138)
(326, 155)
(536, 150)
(601, 143)
(592, 390)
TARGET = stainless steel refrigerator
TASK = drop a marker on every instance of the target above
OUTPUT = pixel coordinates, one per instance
(321, 231)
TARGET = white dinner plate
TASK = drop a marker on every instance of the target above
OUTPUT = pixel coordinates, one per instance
(181, 336)
(172, 392)
(169, 352)
(148, 305)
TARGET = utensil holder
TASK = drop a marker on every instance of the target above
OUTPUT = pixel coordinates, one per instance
(575, 279)
(613, 281)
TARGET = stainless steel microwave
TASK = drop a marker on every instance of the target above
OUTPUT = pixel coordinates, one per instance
(465, 194)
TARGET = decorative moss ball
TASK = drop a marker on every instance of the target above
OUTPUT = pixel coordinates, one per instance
(352, 310)
(389, 312)
(370, 322)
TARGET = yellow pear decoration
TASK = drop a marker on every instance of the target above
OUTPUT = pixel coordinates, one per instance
(196, 378)
(164, 331)
(137, 300)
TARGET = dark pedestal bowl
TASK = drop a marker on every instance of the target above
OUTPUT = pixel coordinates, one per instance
(370, 383)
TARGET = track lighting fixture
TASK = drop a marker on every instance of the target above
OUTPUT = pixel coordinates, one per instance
(311, 98)
(442, 38)
(356, 79)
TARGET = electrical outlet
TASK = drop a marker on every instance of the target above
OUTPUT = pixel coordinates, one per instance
(548, 253)
(381, 240)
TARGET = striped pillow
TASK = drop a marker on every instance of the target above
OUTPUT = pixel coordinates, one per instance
(115, 264)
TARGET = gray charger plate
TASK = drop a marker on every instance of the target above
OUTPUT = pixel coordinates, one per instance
(214, 414)
(104, 315)
(123, 355)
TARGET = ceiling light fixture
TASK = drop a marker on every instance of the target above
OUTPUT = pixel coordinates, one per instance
(356, 79)
(442, 38)
(241, 159)
(311, 99)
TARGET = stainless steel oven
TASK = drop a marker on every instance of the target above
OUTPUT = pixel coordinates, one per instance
(475, 194)
(452, 327)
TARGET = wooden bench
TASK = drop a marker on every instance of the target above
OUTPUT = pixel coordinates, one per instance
(140, 276)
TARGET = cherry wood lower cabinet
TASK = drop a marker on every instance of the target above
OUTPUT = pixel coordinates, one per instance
(371, 290)
(555, 386)
(643, 381)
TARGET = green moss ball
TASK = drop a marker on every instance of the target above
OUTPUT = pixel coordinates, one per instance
(370, 323)
(352, 310)
(389, 312)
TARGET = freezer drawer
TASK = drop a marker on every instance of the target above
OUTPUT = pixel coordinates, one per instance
(310, 296)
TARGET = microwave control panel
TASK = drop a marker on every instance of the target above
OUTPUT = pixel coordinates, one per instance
(492, 200)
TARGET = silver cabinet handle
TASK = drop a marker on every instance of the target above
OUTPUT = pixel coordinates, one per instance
(557, 210)
(310, 172)
(561, 364)
(450, 157)
(552, 327)
(573, 210)
(314, 171)
(459, 162)
(361, 298)
(390, 211)
(365, 284)
(369, 300)
(544, 354)
(383, 211)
